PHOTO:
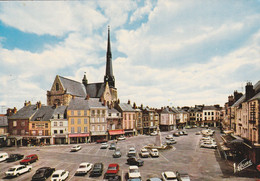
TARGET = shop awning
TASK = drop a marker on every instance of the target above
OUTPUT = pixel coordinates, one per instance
(98, 133)
(15, 137)
(116, 132)
(79, 135)
(228, 131)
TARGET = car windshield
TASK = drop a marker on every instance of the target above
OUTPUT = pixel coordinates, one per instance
(134, 171)
(11, 169)
(111, 168)
(12, 156)
(82, 166)
(27, 158)
(55, 175)
(40, 171)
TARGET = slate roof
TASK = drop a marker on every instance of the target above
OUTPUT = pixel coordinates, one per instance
(95, 90)
(126, 107)
(44, 113)
(166, 111)
(95, 103)
(78, 104)
(60, 110)
(209, 108)
(112, 110)
(257, 96)
(3, 121)
(25, 112)
(73, 87)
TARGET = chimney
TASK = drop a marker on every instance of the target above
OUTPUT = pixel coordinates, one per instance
(142, 106)
(14, 110)
(128, 101)
(25, 103)
(134, 106)
(105, 103)
(39, 105)
(87, 97)
(249, 91)
(237, 95)
(55, 105)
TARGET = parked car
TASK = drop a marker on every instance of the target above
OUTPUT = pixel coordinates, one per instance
(75, 148)
(194, 126)
(154, 152)
(135, 161)
(101, 141)
(84, 168)
(112, 170)
(182, 176)
(144, 153)
(42, 173)
(121, 137)
(169, 137)
(29, 159)
(3, 156)
(169, 175)
(17, 170)
(14, 157)
(131, 152)
(176, 134)
(60, 175)
(117, 153)
(104, 146)
(171, 142)
(154, 133)
(133, 172)
(197, 133)
(115, 178)
(180, 133)
(208, 145)
(184, 132)
(97, 170)
(112, 146)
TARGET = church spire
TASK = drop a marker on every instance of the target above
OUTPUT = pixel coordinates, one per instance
(109, 70)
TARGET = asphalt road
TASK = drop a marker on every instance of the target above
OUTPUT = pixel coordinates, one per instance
(199, 163)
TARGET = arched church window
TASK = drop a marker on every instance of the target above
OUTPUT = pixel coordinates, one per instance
(57, 86)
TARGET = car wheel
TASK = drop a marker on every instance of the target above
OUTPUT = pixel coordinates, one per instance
(17, 175)
(29, 169)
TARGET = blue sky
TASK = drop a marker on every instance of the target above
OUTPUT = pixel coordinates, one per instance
(172, 52)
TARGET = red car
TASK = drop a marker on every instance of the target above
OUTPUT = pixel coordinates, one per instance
(112, 170)
(29, 159)
(101, 141)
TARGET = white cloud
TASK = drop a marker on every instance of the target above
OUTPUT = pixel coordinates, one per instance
(142, 11)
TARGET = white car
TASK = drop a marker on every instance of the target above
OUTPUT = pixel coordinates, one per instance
(121, 138)
(154, 152)
(169, 137)
(104, 146)
(144, 153)
(75, 148)
(84, 168)
(169, 175)
(134, 172)
(154, 133)
(131, 152)
(3, 156)
(60, 175)
(17, 170)
(208, 145)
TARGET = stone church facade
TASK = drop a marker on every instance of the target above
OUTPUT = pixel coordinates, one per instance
(64, 89)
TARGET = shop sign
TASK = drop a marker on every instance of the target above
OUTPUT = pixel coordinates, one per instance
(242, 165)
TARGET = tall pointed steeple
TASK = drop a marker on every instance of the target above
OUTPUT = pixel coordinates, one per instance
(109, 70)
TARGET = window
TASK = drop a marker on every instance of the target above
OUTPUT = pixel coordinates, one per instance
(22, 132)
(46, 132)
(93, 128)
(103, 112)
(72, 113)
(61, 123)
(93, 112)
(33, 125)
(40, 132)
(98, 120)
(92, 120)
(72, 121)
(103, 128)
(14, 123)
(208, 113)
(55, 131)
(23, 123)
(57, 86)
(85, 112)
(79, 129)
(98, 128)
(85, 121)
(14, 132)
(212, 113)
(79, 121)
(72, 130)
(85, 129)
(58, 116)
(33, 133)
(103, 119)
(205, 113)
(46, 125)
(79, 113)
(98, 112)
(61, 131)
(55, 123)
(109, 114)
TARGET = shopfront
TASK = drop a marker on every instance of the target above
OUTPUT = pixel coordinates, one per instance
(60, 139)
(98, 135)
(114, 134)
(78, 138)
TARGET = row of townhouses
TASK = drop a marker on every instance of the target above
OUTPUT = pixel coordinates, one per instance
(241, 122)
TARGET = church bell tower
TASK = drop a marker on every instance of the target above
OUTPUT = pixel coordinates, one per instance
(109, 78)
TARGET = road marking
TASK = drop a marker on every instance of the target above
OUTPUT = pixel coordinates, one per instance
(164, 157)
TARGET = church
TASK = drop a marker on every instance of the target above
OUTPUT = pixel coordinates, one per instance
(64, 89)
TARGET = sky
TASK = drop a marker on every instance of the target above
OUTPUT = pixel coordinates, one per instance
(164, 52)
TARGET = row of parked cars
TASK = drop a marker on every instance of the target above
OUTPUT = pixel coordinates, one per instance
(207, 141)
